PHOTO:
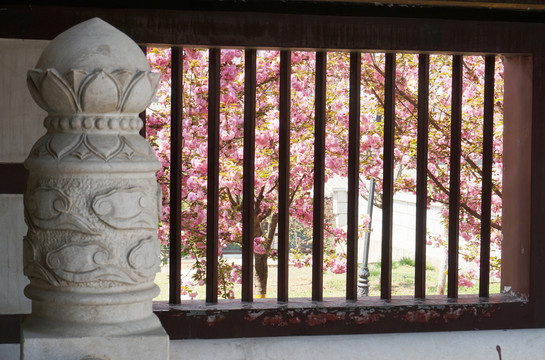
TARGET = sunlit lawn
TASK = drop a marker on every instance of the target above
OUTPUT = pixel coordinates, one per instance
(300, 282)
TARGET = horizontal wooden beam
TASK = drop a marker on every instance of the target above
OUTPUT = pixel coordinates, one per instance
(227, 319)
(280, 5)
(417, 30)
(496, 4)
(10, 328)
(194, 319)
(13, 178)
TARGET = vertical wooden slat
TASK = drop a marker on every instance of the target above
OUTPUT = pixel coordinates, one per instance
(353, 177)
(535, 90)
(319, 168)
(142, 115)
(454, 187)
(213, 176)
(175, 254)
(421, 176)
(517, 228)
(284, 175)
(248, 195)
(388, 175)
(486, 203)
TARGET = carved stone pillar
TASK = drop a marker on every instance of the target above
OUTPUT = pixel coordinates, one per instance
(92, 203)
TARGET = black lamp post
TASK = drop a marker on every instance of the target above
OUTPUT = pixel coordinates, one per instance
(363, 281)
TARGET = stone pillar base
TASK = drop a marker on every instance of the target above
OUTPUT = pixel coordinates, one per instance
(146, 346)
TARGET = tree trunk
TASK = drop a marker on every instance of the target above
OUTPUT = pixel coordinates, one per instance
(260, 275)
(261, 269)
(261, 265)
(442, 281)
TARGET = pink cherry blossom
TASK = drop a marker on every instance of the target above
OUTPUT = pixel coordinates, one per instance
(195, 148)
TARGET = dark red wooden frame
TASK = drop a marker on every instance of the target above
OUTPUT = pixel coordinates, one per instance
(327, 26)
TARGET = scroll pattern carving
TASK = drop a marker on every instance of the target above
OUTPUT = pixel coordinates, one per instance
(32, 266)
(75, 223)
(143, 258)
(50, 208)
(126, 209)
(84, 262)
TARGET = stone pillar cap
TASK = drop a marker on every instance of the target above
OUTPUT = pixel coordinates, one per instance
(91, 45)
(92, 68)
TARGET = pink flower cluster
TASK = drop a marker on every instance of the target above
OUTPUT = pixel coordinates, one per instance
(195, 150)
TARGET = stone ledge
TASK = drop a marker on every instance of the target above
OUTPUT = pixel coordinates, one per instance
(152, 345)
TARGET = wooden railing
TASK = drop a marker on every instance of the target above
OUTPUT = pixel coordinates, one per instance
(351, 300)
(334, 27)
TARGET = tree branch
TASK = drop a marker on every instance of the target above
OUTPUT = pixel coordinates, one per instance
(272, 231)
(463, 205)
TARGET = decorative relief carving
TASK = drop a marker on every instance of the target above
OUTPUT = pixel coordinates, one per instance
(159, 201)
(85, 252)
(32, 267)
(51, 209)
(85, 262)
(95, 92)
(84, 146)
(61, 144)
(104, 147)
(144, 257)
(84, 123)
(126, 209)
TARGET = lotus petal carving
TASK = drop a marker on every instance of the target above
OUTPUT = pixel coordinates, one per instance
(61, 144)
(41, 146)
(75, 78)
(99, 93)
(137, 145)
(105, 147)
(33, 83)
(55, 92)
(140, 87)
(96, 92)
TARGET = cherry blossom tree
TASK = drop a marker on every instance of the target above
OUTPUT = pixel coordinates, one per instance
(406, 88)
(194, 153)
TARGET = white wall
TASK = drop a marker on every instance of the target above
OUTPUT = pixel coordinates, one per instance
(404, 231)
(20, 126)
(467, 345)
(403, 223)
(12, 300)
(20, 118)
(481, 345)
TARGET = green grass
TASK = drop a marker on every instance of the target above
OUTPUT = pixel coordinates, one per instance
(406, 261)
(300, 282)
(161, 280)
